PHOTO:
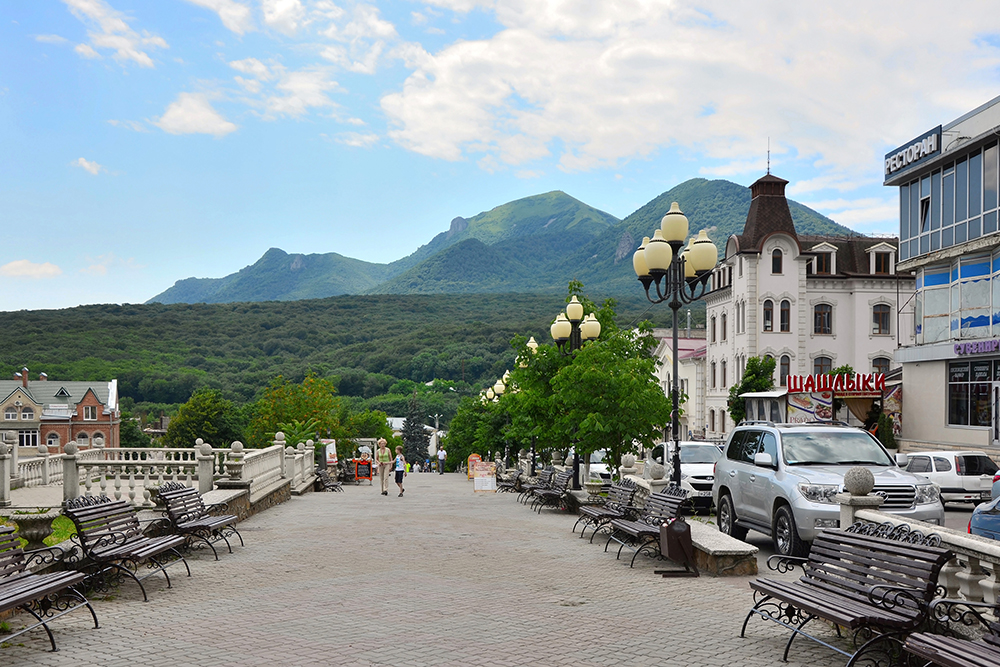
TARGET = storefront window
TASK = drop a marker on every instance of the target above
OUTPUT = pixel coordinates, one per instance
(969, 393)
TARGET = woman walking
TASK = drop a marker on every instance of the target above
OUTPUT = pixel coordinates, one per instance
(400, 469)
(384, 459)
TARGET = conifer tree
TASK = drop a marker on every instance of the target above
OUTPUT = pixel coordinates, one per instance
(415, 438)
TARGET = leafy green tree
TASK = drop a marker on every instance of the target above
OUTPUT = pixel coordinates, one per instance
(284, 402)
(300, 431)
(415, 437)
(130, 433)
(846, 369)
(758, 376)
(206, 415)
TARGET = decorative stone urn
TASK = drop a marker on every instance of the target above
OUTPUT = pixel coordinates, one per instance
(569, 460)
(628, 465)
(593, 489)
(34, 526)
(556, 458)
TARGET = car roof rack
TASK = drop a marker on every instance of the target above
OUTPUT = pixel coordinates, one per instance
(752, 422)
(821, 422)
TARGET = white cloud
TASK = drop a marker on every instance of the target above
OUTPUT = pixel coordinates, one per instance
(870, 212)
(361, 41)
(92, 167)
(283, 15)
(253, 67)
(109, 29)
(133, 125)
(191, 113)
(234, 15)
(51, 39)
(357, 139)
(602, 82)
(299, 91)
(100, 265)
(23, 268)
(250, 85)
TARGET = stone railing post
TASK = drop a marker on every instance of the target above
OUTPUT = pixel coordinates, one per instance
(71, 473)
(6, 462)
(657, 477)
(43, 451)
(288, 469)
(234, 462)
(279, 439)
(309, 460)
(206, 466)
(859, 482)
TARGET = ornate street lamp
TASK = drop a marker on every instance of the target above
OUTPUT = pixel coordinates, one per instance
(570, 331)
(680, 278)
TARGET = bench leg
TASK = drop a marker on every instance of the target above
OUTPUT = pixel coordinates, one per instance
(795, 633)
(124, 570)
(208, 542)
(237, 533)
(753, 610)
(647, 546)
(78, 595)
(582, 518)
(41, 622)
(884, 649)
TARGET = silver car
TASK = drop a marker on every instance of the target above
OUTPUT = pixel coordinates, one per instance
(781, 479)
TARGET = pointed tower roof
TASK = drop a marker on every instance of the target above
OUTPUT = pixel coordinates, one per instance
(768, 214)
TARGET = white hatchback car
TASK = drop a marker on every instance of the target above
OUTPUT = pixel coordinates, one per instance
(697, 469)
(963, 477)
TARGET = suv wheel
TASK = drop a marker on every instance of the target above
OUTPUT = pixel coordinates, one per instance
(786, 538)
(727, 518)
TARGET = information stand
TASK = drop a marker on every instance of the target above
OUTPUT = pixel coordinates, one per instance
(485, 479)
(363, 470)
(471, 467)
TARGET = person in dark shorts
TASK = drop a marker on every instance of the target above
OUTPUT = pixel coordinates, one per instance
(400, 469)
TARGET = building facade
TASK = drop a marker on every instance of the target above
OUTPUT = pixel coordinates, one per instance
(948, 205)
(690, 374)
(54, 412)
(813, 303)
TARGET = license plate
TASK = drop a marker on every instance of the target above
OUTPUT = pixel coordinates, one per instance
(705, 494)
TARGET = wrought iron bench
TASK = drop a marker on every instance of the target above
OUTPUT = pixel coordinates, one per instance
(188, 515)
(935, 649)
(326, 483)
(544, 481)
(617, 506)
(555, 496)
(642, 534)
(45, 596)
(877, 588)
(511, 484)
(112, 542)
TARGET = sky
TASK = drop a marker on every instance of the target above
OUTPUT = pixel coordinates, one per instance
(147, 141)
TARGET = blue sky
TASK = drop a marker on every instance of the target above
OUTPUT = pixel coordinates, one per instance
(146, 141)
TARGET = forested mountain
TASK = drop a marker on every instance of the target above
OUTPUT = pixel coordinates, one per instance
(534, 244)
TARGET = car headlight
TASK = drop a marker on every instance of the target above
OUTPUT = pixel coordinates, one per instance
(927, 494)
(819, 493)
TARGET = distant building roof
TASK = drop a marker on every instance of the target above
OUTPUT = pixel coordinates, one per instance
(55, 394)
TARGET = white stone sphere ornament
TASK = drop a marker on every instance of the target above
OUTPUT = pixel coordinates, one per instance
(859, 481)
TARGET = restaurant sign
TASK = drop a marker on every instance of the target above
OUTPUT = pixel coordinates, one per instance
(858, 384)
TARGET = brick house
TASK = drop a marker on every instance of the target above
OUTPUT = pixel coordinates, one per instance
(55, 413)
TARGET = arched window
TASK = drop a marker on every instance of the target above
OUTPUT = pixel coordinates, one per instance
(880, 365)
(723, 373)
(786, 315)
(822, 365)
(768, 315)
(713, 329)
(52, 439)
(785, 370)
(776, 261)
(713, 376)
(722, 421)
(711, 420)
(823, 319)
(880, 319)
(27, 414)
(10, 414)
(723, 323)
(82, 439)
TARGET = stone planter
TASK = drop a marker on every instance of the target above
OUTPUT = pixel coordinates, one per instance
(593, 489)
(34, 527)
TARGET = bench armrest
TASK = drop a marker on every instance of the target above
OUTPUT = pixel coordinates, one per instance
(951, 610)
(43, 556)
(782, 564)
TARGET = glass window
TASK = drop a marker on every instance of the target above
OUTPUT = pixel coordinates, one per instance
(925, 214)
(990, 222)
(768, 443)
(822, 365)
(990, 178)
(90, 412)
(27, 414)
(961, 190)
(724, 374)
(947, 237)
(723, 326)
(880, 319)
(713, 329)
(823, 319)
(82, 439)
(904, 212)
(942, 464)
(52, 440)
(958, 393)
(713, 378)
(768, 315)
(776, 261)
(711, 422)
(722, 421)
(948, 199)
(786, 315)
(975, 465)
(833, 448)
(936, 200)
(975, 184)
(27, 438)
(10, 414)
(882, 262)
(880, 365)
(975, 228)
(919, 464)
(822, 263)
(785, 369)
(961, 233)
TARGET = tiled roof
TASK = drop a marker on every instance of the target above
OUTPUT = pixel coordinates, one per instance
(46, 392)
(768, 213)
(852, 257)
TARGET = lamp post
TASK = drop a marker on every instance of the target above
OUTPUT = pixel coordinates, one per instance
(680, 277)
(570, 331)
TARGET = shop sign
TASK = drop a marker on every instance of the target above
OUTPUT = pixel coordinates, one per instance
(977, 347)
(860, 383)
(915, 151)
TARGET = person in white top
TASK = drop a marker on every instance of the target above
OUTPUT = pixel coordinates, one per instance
(442, 455)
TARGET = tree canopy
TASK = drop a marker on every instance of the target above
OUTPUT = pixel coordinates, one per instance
(758, 376)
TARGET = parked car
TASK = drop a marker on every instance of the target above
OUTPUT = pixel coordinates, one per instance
(985, 520)
(697, 469)
(781, 479)
(961, 476)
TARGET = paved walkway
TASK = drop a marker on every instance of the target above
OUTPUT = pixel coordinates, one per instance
(439, 577)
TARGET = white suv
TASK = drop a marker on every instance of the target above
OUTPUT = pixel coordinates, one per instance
(781, 479)
(961, 476)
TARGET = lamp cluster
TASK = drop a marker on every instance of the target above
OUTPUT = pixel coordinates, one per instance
(656, 256)
(499, 387)
(573, 328)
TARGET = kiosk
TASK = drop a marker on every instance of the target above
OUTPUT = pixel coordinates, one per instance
(809, 398)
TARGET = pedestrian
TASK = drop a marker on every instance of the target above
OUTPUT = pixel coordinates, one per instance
(442, 455)
(400, 469)
(384, 458)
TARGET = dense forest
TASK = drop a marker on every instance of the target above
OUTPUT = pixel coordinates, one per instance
(375, 349)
